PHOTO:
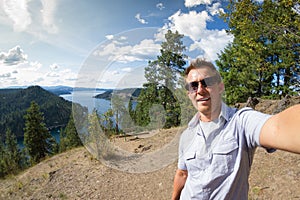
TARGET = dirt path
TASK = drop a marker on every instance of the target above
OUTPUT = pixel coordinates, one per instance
(77, 175)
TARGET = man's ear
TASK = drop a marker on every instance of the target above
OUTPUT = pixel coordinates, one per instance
(221, 87)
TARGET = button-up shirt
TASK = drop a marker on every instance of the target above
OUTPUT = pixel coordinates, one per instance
(218, 155)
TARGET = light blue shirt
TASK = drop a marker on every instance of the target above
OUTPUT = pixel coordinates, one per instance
(218, 155)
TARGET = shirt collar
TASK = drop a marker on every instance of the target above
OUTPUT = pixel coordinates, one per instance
(225, 113)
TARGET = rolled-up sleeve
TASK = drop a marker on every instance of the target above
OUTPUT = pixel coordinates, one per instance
(251, 123)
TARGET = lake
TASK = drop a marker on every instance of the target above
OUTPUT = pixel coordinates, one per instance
(85, 98)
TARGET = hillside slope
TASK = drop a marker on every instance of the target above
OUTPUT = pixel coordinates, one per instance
(15, 102)
(77, 175)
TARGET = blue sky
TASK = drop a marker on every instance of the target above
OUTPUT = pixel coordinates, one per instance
(97, 43)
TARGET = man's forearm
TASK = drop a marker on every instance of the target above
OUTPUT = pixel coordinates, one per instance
(179, 181)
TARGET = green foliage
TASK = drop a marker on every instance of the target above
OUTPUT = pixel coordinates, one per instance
(118, 109)
(157, 102)
(98, 138)
(157, 105)
(106, 122)
(186, 106)
(3, 170)
(37, 139)
(69, 137)
(15, 102)
(263, 60)
(12, 159)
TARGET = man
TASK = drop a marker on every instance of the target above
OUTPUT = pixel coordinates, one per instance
(216, 150)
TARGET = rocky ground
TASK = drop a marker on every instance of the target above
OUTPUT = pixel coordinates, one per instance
(77, 175)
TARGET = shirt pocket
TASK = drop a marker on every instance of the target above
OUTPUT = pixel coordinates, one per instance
(224, 157)
(196, 164)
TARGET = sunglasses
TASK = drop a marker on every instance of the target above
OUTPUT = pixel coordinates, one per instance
(209, 81)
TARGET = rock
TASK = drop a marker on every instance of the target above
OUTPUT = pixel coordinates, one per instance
(252, 102)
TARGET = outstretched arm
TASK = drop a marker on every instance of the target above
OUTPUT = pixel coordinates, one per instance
(282, 131)
(179, 181)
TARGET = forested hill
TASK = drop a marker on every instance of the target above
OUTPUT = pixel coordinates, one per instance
(15, 102)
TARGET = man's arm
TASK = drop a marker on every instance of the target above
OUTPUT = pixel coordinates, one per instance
(179, 181)
(282, 131)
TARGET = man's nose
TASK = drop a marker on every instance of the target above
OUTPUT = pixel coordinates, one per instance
(200, 88)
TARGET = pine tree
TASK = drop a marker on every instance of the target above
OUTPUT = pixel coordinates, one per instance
(162, 75)
(13, 157)
(263, 60)
(118, 109)
(69, 137)
(3, 170)
(37, 139)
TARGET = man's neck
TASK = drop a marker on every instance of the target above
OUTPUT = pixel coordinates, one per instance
(212, 115)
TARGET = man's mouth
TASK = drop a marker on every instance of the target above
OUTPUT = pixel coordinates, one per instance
(203, 99)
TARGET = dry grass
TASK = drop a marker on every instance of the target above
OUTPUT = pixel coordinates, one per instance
(77, 175)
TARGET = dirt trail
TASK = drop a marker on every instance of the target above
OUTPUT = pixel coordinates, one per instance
(77, 175)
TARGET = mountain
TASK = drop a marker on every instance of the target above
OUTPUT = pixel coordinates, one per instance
(15, 102)
(127, 92)
(59, 90)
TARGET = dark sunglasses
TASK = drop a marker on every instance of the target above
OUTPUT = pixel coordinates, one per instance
(209, 81)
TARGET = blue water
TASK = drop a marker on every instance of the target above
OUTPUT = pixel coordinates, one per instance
(85, 98)
(54, 132)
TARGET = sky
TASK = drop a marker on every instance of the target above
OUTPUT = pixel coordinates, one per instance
(97, 43)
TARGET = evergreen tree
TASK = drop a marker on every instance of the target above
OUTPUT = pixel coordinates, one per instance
(3, 170)
(37, 139)
(98, 142)
(128, 123)
(69, 137)
(263, 60)
(147, 98)
(118, 109)
(106, 122)
(13, 157)
(63, 144)
(162, 75)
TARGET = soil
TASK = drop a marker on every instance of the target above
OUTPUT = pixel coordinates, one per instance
(76, 174)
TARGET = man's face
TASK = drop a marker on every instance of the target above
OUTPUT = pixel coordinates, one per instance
(206, 99)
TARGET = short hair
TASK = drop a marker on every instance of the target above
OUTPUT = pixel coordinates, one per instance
(200, 63)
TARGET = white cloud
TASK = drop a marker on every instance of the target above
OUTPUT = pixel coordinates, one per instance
(52, 74)
(212, 44)
(48, 12)
(34, 17)
(34, 66)
(215, 9)
(16, 70)
(160, 6)
(122, 52)
(5, 75)
(14, 56)
(193, 3)
(54, 66)
(109, 37)
(127, 69)
(124, 77)
(138, 17)
(17, 11)
(115, 72)
(194, 26)
(190, 24)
